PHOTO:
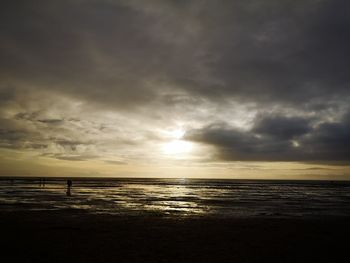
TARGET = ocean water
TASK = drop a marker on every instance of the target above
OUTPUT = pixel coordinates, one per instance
(180, 197)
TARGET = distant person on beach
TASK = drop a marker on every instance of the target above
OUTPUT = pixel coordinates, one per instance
(42, 182)
(69, 186)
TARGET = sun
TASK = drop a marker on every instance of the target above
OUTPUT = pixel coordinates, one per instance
(176, 134)
(177, 147)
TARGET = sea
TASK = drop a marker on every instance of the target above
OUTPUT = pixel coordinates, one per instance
(178, 198)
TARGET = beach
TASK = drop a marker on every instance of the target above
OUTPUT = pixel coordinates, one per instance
(72, 236)
(166, 220)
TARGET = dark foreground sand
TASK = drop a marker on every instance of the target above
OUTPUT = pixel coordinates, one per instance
(78, 237)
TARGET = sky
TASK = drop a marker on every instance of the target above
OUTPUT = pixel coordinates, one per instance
(175, 88)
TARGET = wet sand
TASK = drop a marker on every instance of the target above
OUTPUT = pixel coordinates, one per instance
(71, 236)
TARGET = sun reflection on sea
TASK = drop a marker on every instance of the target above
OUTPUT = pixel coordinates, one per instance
(166, 200)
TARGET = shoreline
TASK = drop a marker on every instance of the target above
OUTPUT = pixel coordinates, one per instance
(154, 179)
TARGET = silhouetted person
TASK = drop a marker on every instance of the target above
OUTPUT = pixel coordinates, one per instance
(69, 186)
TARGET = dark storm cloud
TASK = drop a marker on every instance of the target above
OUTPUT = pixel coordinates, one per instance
(331, 141)
(174, 58)
(123, 53)
(238, 145)
(281, 51)
(103, 51)
(282, 127)
(279, 139)
(6, 94)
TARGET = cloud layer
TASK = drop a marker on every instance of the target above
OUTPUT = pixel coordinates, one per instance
(278, 138)
(249, 80)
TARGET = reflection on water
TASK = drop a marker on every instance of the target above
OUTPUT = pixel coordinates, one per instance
(220, 198)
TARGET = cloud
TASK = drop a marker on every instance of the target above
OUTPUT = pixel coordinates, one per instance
(279, 52)
(277, 138)
(67, 157)
(256, 80)
(127, 54)
(281, 127)
(115, 162)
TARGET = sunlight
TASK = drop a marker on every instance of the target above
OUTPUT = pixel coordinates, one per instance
(177, 147)
(176, 134)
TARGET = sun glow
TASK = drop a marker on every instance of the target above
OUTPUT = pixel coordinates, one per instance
(177, 147)
(176, 134)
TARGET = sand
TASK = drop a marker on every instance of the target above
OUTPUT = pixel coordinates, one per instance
(74, 236)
